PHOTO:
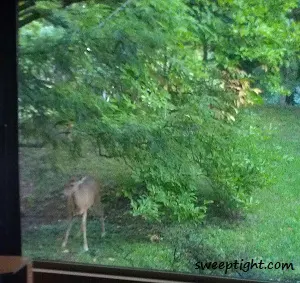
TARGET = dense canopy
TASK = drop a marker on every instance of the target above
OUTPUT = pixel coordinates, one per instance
(159, 85)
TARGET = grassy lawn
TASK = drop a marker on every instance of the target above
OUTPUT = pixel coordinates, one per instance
(270, 232)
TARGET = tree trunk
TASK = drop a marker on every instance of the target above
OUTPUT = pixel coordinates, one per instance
(290, 99)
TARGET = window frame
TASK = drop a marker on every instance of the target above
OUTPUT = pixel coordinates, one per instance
(10, 230)
(92, 273)
(10, 220)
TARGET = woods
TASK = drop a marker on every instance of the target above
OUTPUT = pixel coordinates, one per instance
(163, 93)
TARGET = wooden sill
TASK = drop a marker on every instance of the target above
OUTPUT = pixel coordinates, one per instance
(14, 264)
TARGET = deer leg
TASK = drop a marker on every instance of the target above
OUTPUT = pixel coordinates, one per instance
(102, 221)
(81, 227)
(85, 244)
(68, 232)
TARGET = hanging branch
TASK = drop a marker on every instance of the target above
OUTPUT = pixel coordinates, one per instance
(115, 12)
(63, 42)
(23, 22)
(33, 145)
(25, 5)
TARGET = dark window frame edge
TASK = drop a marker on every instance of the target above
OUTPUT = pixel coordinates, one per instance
(10, 228)
(91, 270)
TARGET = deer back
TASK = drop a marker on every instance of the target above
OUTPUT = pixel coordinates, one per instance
(82, 194)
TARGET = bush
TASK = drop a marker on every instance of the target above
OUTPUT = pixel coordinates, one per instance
(237, 165)
(186, 169)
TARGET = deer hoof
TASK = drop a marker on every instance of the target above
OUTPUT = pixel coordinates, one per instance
(86, 248)
(63, 245)
(103, 234)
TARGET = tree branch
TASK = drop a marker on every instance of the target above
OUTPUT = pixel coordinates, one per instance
(115, 12)
(127, 163)
(29, 19)
(27, 4)
(27, 12)
(107, 156)
(32, 145)
(66, 3)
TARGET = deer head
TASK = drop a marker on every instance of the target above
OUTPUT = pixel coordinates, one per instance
(70, 187)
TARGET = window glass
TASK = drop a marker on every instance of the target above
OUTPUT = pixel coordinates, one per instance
(165, 132)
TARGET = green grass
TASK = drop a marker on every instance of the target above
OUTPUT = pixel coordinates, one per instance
(271, 231)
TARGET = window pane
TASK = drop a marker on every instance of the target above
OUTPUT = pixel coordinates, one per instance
(166, 131)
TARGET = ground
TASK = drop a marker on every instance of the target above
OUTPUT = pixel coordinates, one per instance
(271, 230)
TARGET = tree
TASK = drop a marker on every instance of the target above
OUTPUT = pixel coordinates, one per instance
(159, 86)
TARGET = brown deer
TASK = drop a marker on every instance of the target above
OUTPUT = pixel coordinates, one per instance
(81, 196)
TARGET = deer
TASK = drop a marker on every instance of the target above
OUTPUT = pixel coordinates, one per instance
(81, 196)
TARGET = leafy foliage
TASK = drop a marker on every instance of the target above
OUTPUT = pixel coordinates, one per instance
(159, 86)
